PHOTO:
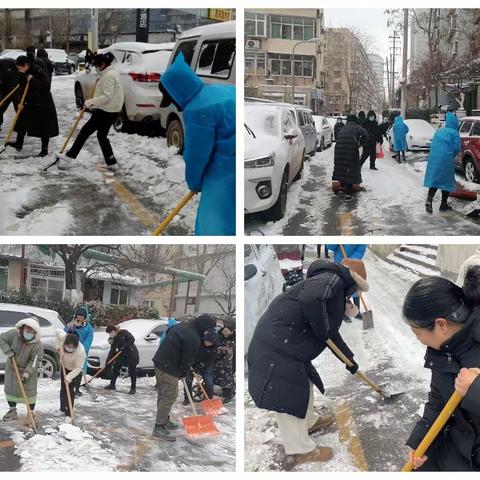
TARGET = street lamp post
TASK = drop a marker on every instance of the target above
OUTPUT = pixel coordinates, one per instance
(312, 40)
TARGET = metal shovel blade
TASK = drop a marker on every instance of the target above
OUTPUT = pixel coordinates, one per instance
(389, 397)
(213, 406)
(200, 426)
(367, 319)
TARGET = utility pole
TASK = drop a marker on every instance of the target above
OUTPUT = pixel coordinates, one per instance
(393, 54)
(68, 25)
(8, 28)
(28, 27)
(93, 33)
(388, 83)
(403, 103)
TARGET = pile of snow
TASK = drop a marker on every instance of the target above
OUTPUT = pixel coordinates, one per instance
(66, 449)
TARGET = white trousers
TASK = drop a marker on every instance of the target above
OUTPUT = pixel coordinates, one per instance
(294, 431)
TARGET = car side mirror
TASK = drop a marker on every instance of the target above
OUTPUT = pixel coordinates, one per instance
(151, 337)
(291, 134)
(250, 271)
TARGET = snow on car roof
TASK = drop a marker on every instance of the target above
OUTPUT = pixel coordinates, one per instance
(26, 308)
(140, 46)
(139, 325)
(222, 28)
(476, 118)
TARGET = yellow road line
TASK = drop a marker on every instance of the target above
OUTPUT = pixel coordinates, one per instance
(141, 212)
(346, 223)
(7, 443)
(347, 431)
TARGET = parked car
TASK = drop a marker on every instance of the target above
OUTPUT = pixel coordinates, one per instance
(274, 157)
(147, 333)
(263, 281)
(210, 52)
(468, 160)
(13, 54)
(49, 321)
(324, 132)
(62, 63)
(140, 66)
(419, 136)
(291, 263)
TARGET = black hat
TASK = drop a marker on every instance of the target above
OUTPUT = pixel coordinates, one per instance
(102, 58)
(82, 312)
(212, 337)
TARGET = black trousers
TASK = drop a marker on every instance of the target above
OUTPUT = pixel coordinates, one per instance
(14, 405)
(99, 122)
(14, 100)
(431, 194)
(132, 372)
(369, 150)
(21, 139)
(77, 381)
(64, 407)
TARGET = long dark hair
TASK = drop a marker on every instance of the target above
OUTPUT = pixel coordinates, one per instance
(435, 297)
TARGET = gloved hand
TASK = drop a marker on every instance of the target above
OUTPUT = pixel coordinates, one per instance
(10, 354)
(25, 377)
(88, 103)
(353, 369)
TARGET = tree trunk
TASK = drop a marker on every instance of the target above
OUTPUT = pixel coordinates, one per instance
(28, 27)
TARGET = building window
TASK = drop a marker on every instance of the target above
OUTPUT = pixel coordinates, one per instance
(255, 24)
(119, 294)
(292, 28)
(255, 63)
(281, 64)
(3, 274)
(148, 304)
(190, 300)
(47, 282)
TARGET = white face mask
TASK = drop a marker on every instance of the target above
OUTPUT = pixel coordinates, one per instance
(69, 349)
(371, 118)
(111, 335)
(351, 310)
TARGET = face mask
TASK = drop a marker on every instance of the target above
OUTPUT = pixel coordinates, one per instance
(69, 349)
(28, 336)
(351, 310)
(111, 335)
(339, 121)
(371, 118)
(98, 70)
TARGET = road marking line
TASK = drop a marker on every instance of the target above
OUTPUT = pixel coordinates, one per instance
(141, 212)
(346, 223)
(7, 443)
(347, 431)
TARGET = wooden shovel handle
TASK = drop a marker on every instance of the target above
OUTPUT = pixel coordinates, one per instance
(199, 383)
(344, 253)
(24, 394)
(19, 111)
(173, 213)
(435, 429)
(4, 99)
(67, 389)
(106, 365)
(347, 362)
(189, 395)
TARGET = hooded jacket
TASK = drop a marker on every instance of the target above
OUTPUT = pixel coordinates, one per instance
(400, 130)
(179, 350)
(209, 153)
(71, 361)
(445, 147)
(85, 335)
(124, 341)
(292, 332)
(373, 130)
(109, 95)
(457, 447)
(28, 356)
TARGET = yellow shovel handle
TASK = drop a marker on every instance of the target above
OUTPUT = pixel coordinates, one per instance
(435, 429)
(173, 213)
(24, 395)
(199, 383)
(19, 111)
(4, 99)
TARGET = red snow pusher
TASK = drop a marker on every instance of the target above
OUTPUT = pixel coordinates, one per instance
(210, 406)
(198, 425)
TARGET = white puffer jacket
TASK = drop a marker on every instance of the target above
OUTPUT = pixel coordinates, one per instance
(109, 94)
(71, 361)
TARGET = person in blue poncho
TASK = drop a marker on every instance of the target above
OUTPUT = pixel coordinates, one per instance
(353, 251)
(209, 152)
(400, 130)
(440, 173)
(80, 325)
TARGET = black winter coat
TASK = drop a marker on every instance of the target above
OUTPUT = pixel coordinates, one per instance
(336, 130)
(125, 342)
(39, 117)
(205, 358)
(457, 447)
(291, 333)
(347, 168)
(9, 76)
(180, 347)
(374, 132)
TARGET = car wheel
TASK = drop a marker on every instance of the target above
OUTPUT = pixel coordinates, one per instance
(48, 367)
(299, 174)
(122, 123)
(277, 212)
(175, 135)
(471, 174)
(79, 100)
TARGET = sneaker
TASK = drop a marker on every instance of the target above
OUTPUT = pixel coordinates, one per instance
(110, 387)
(444, 207)
(163, 433)
(319, 454)
(67, 420)
(113, 168)
(373, 168)
(12, 414)
(428, 207)
(59, 413)
(322, 422)
(63, 161)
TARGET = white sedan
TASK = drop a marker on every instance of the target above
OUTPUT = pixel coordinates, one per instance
(274, 157)
(140, 66)
(147, 333)
(324, 132)
(419, 136)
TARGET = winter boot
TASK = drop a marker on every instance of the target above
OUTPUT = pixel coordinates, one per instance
(359, 316)
(63, 161)
(445, 207)
(132, 391)
(17, 146)
(347, 319)
(111, 387)
(185, 401)
(12, 414)
(170, 425)
(428, 206)
(162, 432)
(113, 167)
(322, 422)
(43, 153)
(319, 454)
(373, 167)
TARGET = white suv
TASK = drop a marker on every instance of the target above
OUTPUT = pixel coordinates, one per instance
(140, 66)
(49, 321)
(274, 157)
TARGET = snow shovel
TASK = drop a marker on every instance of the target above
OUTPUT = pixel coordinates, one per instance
(367, 315)
(384, 394)
(210, 406)
(103, 368)
(4, 99)
(435, 429)
(69, 396)
(17, 114)
(198, 425)
(173, 213)
(88, 388)
(24, 395)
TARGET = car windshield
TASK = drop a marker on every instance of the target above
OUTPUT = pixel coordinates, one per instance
(263, 120)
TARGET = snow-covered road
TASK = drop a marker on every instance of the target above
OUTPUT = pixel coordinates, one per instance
(84, 201)
(367, 435)
(393, 203)
(119, 428)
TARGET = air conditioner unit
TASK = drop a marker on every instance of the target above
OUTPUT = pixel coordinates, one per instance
(253, 43)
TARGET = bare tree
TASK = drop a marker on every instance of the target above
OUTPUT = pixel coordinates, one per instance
(225, 297)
